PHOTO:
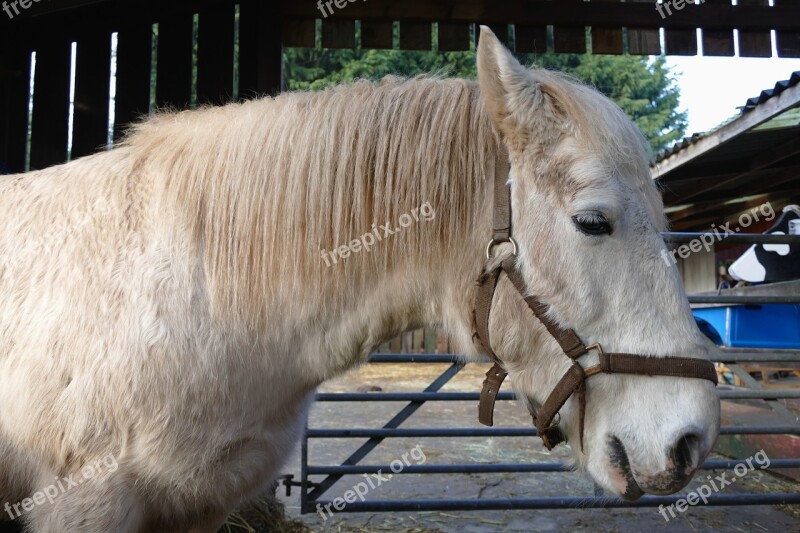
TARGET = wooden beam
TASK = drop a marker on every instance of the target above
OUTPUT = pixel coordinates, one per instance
(677, 188)
(761, 161)
(92, 93)
(606, 40)
(379, 35)
(755, 43)
(788, 42)
(453, 37)
(174, 77)
(215, 43)
(302, 33)
(50, 105)
(778, 181)
(338, 33)
(643, 41)
(747, 121)
(728, 210)
(15, 65)
(416, 36)
(134, 55)
(718, 42)
(525, 12)
(260, 49)
(530, 39)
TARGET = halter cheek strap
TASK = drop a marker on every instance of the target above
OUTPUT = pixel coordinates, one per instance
(574, 380)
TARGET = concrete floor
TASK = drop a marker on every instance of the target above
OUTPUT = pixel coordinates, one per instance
(408, 378)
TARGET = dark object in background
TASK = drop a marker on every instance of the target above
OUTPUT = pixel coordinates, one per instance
(769, 263)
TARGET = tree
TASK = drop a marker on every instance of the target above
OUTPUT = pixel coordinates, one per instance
(644, 89)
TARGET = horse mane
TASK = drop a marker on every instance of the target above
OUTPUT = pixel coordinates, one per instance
(265, 186)
(269, 184)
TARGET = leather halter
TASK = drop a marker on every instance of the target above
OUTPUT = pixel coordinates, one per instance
(573, 381)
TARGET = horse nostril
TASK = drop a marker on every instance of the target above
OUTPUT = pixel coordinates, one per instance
(686, 451)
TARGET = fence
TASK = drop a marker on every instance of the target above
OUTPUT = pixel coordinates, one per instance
(316, 480)
(183, 52)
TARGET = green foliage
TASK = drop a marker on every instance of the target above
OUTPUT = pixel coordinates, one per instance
(644, 89)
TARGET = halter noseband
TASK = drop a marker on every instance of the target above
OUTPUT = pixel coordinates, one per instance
(574, 380)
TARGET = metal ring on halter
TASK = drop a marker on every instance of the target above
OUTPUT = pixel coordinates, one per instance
(493, 242)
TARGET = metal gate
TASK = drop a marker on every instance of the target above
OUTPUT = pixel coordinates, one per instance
(317, 479)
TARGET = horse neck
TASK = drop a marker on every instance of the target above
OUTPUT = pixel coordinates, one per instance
(264, 227)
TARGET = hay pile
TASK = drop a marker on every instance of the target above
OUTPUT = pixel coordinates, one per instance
(266, 515)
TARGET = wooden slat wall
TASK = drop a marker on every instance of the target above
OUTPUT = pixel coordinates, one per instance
(530, 39)
(788, 43)
(377, 35)
(51, 105)
(569, 39)
(606, 40)
(680, 42)
(14, 90)
(337, 33)
(416, 36)
(643, 41)
(260, 50)
(174, 79)
(92, 85)
(261, 66)
(340, 33)
(718, 42)
(300, 33)
(215, 54)
(134, 54)
(453, 37)
(500, 31)
(755, 43)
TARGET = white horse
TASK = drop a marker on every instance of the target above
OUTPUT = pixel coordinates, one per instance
(166, 315)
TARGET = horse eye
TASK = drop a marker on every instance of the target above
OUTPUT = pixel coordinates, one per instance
(592, 223)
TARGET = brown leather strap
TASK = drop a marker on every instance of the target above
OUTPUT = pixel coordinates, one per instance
(545, 420)
(491, 386)
(483, 308)
(502, 199)
(574, 380)
(566, 338)
(679, 367)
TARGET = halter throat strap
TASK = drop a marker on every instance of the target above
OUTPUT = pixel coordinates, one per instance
(546, 419)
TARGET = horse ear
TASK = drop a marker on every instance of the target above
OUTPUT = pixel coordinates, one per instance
(510, 91)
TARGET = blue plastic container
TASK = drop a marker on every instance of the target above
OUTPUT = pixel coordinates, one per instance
(753, 326)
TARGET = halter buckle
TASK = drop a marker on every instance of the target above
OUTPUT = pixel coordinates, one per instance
(595, 369)
(493, 243)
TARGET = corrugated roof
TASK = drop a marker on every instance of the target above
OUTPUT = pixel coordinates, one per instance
(765, 95)
(751, 104)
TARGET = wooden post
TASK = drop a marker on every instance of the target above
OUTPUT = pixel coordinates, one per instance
(260, 49)
(14, 82)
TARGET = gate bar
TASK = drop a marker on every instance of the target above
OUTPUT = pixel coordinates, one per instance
(501, 468)
(772, 394)
(358, 433)
(307, 498)
(572, 502)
